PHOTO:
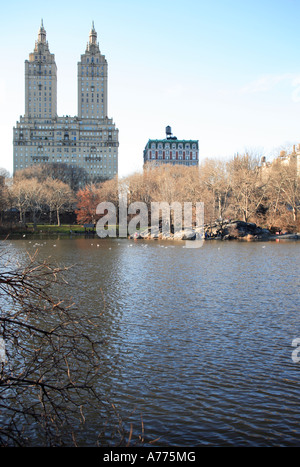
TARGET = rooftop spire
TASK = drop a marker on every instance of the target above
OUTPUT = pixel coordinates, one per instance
(42, 33)
(93, 35)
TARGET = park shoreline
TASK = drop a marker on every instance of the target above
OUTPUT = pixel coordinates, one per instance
(219, 231)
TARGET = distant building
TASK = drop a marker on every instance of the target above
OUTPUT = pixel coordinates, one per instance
(291, 158)
(171, 150)
(285, 158)
(89, 140)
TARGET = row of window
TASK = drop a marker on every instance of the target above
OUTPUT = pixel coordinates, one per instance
(62, 123)
(92, 90)
(40, 115)
(43, 148)
(180, 157)
(90, 131)
(93, 60)
(92, 79)
(40, 94)
(92, 74)
(93, 152)
(43, 73)
(87, 68)
(44, 58)
(39, 99)
(34, 65)
(167, 151)
(36, 111)
(92, 100)
(39, 83)
(177, 162)
(87, 115)
(43, 142)
(92, 95)
(173, 146)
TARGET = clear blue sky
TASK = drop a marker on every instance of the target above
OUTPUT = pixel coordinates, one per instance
(225, 72)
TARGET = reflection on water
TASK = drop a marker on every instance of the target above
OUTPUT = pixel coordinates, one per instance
(198, 341)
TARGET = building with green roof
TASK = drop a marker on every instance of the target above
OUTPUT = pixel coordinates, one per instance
(171, 150)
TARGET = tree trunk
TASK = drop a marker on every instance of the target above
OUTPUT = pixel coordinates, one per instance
(58, 218)
(34, 220)
(21, 215)
(294, 213)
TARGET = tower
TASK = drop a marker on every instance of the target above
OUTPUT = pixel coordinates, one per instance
(87, 141)
(41, 80)
(92, 80)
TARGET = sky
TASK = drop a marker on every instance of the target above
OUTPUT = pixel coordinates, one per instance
(224, 72)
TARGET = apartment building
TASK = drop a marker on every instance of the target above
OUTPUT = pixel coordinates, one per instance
(171, 150)
(89, 140)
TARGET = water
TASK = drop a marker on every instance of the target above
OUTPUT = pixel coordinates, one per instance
(198, 341)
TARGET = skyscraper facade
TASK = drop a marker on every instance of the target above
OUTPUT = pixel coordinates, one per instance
(92, 81)
(41, 80)
(89, 140)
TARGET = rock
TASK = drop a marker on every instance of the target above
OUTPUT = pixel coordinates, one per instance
(188, 235)
(229, 230)
(264, 233)
(241, 229)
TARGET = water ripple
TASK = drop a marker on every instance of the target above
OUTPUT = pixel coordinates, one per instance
(199, 342)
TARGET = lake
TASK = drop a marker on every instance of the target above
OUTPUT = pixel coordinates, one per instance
(197, 341)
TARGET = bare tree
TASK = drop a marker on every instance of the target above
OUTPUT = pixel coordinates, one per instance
(215, 187)
(50, 362)
(283, 192)
(58, 195)
(27, 195)
(19, 199)
(4, 198)
(75, 177)
(248, 188)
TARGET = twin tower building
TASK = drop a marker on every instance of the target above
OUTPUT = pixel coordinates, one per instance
(89, 140)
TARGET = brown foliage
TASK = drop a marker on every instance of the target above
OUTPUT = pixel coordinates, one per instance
(91, 195)
(87, 200)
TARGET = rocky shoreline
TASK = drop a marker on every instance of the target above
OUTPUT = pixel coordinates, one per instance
(226, 230)
(238, 230)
